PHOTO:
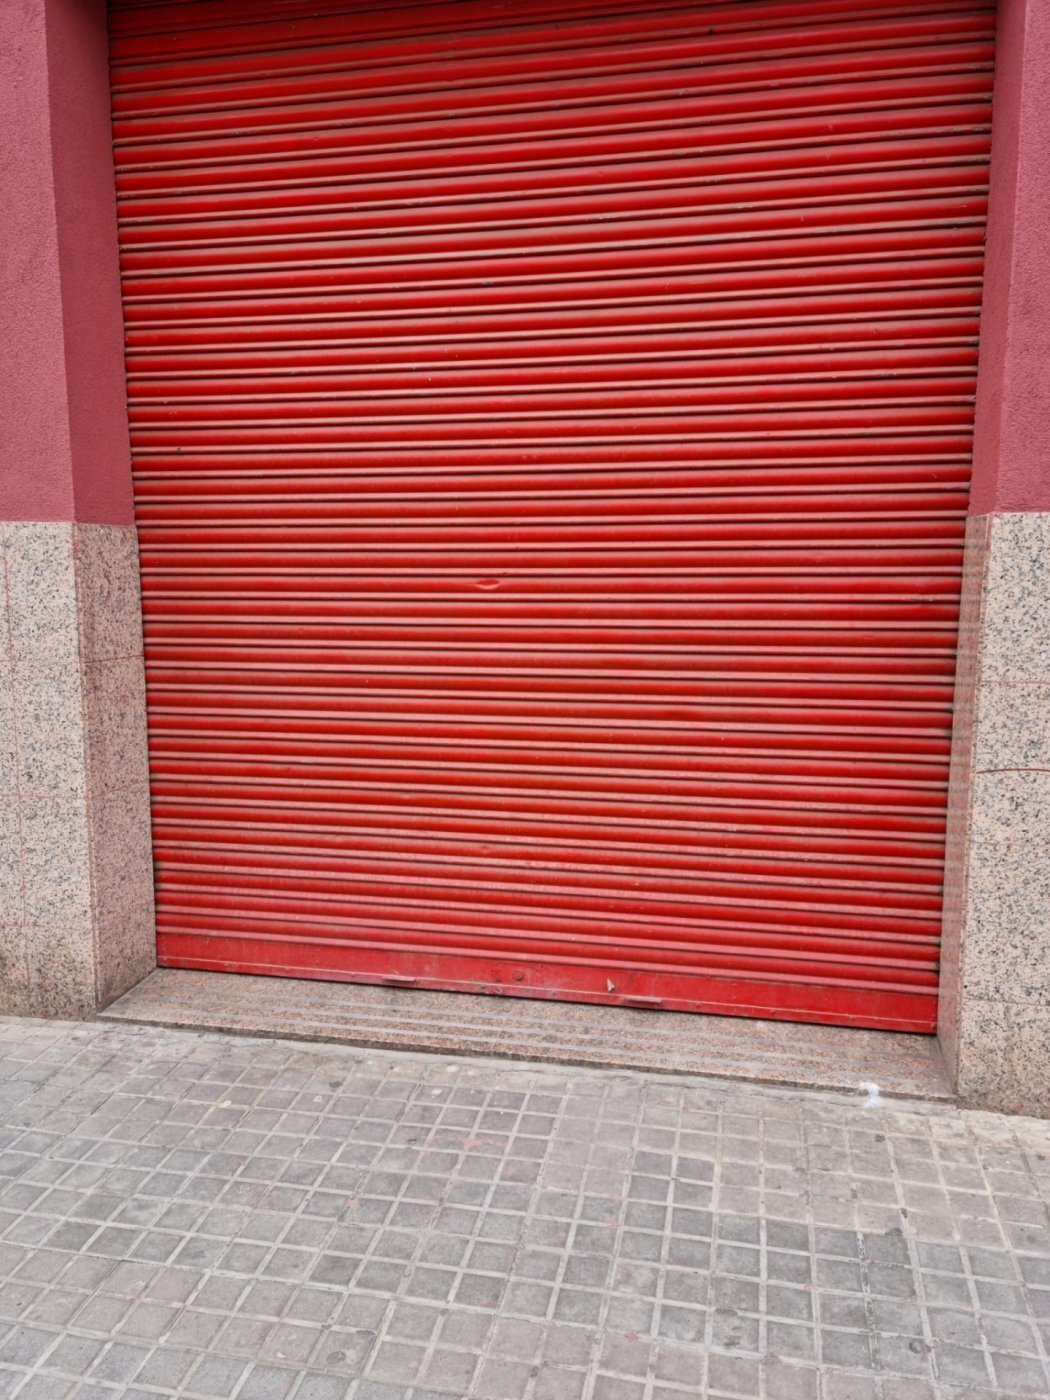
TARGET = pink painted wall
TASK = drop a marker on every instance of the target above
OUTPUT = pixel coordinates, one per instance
(64, 452)
(63, 421)
(1011, 468)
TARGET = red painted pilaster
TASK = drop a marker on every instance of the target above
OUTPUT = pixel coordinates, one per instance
(64, 451)
(1011, 468)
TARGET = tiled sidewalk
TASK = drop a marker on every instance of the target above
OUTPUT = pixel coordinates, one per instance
(211, 1216)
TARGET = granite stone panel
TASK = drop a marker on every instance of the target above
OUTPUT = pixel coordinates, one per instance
(60, 962)
(126, 950)
(113, 694)
(114, 698)
(1008, 934)
(1013, 734)
(957, 836)
(10, 860)
(56, 883)
(14, 972)
(122, 859)
(1009, 804)
(975, 566)
(48, 729)
(8, 752)
(995, 998)
(41, 591)
(1015, 618)
(76, 885)
(1004, 1055)
(108, 598)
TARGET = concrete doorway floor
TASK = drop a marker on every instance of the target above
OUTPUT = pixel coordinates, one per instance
(773, 1052)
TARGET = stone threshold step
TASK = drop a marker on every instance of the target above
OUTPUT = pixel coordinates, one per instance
(453, 1023)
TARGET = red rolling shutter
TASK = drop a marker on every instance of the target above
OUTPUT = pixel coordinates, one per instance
(551, 429)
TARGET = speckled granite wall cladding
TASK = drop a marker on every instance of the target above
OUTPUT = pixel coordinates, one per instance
(995, 1006)
(76, 878)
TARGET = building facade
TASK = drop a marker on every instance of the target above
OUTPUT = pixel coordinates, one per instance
(586, 479)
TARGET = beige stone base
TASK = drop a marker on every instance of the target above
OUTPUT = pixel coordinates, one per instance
(76, 883)
(995, 999)
(76, 875)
